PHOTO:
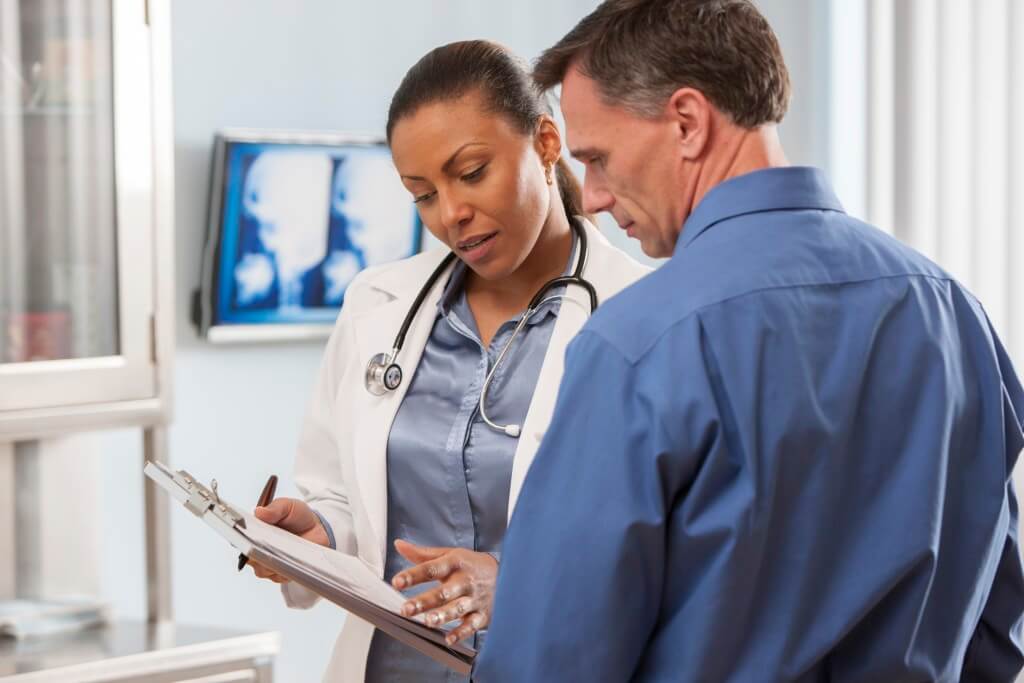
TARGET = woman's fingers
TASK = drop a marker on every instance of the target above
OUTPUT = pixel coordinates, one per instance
(435, 597)
(471, 623)
(276, 512)
(418, 553)
(264, 573)
(291, 514)
(433, 570)
(450, 611)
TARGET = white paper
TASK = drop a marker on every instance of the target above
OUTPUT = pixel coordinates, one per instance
(345, 571)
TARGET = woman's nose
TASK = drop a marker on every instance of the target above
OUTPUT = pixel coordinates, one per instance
(454, 211)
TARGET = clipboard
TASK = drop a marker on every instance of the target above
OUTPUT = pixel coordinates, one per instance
(372, 600)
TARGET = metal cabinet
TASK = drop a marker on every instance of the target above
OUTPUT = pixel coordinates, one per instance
(86, 298)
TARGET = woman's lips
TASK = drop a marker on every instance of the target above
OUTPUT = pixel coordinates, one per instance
(477, 247)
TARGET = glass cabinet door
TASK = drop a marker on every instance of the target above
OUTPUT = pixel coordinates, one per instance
(75, 203)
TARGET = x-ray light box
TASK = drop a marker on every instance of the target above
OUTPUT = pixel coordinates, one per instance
(293, 218)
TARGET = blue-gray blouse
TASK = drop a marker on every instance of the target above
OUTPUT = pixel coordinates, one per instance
(448, 472)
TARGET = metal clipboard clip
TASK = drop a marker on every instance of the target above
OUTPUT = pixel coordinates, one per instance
(202, 500)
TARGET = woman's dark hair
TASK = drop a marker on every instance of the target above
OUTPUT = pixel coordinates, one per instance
(451, 71)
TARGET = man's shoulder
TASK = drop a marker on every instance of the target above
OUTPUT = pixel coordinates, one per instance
(639, 316)
(763, 256)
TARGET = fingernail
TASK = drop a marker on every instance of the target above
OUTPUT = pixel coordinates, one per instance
(407, 609)
(399, 581)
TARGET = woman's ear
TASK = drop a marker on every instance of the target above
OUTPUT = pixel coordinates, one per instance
(691, 112)
(548, 141)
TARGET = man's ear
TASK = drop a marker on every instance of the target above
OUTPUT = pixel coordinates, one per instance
(548, 141)
(691, 113)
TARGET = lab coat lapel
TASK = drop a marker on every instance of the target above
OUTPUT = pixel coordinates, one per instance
(375, 332)
(573, 314)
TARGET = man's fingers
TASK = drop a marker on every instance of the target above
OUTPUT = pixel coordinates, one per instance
(434, 570)
(435, 597)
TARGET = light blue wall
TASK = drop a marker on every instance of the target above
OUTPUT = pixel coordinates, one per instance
(303, 64)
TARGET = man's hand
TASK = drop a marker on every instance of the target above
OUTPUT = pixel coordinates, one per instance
(466, 592)
(295, 516)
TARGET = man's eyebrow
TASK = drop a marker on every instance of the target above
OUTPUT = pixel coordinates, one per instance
(446, 167)
(584, 153)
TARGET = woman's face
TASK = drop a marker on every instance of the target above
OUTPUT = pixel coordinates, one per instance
(478, 183)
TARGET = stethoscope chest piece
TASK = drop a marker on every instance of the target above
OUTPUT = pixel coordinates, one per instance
(382, 374)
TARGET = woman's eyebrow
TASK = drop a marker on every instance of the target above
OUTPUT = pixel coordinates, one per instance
(446, 167)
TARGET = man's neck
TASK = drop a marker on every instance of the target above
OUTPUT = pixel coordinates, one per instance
(737, 151)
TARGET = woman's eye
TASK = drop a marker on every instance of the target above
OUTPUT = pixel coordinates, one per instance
(423, 197)
(474, 175)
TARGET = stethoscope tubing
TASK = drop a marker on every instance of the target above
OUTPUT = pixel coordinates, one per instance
(383, 365)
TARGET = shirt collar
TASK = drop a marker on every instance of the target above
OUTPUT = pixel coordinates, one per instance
(770, 189)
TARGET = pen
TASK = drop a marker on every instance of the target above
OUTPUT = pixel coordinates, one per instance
(265, 497)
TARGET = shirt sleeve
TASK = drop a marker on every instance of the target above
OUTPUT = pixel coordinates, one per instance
(583, 560)
(328, 529)
(996, 650)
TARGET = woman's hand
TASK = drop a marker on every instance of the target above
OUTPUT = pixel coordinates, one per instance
(294, 515)
(467, 581)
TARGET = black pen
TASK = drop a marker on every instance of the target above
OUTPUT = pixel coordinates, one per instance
(265, 498)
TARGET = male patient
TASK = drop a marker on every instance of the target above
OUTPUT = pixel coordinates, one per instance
(785, 455)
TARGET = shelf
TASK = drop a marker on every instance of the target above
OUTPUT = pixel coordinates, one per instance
(137, 651)
(48, 111)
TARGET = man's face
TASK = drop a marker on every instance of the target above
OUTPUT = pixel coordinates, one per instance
(633, 165)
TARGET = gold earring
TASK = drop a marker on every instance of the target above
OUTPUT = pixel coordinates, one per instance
(547, 175)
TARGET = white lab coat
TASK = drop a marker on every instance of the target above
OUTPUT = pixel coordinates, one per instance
(341, 464)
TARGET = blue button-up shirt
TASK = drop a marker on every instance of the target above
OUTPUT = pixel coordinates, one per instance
(448, 472)
(784, 456)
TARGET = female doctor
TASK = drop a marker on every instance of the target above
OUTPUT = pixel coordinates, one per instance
(407, 468)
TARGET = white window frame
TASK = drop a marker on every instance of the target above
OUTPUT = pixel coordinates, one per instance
(132, 387)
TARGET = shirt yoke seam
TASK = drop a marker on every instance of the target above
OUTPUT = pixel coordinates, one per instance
(760, 290)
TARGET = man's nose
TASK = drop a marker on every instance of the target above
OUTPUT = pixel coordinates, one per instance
(596, 197)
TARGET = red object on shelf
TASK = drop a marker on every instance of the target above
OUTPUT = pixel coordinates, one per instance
(37, 336)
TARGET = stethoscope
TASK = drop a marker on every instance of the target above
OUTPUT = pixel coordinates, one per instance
(383, 374)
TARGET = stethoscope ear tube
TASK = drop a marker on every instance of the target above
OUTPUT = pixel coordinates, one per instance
(414, 309)
(564, 281)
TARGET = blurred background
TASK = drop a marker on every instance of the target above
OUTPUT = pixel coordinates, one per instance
(913, 107)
